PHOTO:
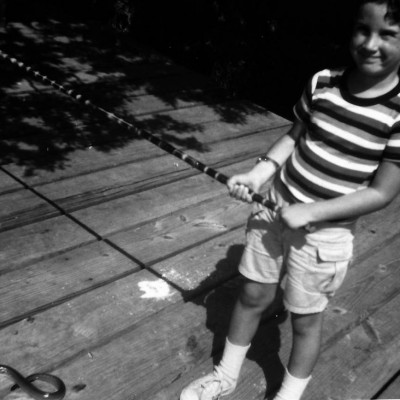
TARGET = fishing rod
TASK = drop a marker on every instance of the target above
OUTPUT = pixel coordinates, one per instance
(218, 176)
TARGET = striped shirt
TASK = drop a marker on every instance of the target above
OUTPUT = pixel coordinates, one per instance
(345, 141)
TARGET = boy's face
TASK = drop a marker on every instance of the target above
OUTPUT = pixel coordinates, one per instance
(375, 43)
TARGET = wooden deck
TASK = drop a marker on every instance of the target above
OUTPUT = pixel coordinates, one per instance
(118, 261)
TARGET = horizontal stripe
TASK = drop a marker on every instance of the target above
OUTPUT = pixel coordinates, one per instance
(308, 188)
(334, 170)
(348, 150)
(317, 181)
(339, 160)
(375, 129)
(394, 143)
(349, 136)
(296, 193)
(363, 111)
(392, 156)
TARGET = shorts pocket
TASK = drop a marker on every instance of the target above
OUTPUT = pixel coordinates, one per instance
(332, 264)
(335, 253)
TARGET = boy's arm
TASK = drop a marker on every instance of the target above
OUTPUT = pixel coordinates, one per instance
(383, 189)
(238, 185)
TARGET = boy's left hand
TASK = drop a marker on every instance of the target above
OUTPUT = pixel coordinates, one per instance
(296, 216)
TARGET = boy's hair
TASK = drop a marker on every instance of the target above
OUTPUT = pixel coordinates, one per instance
(393, 8)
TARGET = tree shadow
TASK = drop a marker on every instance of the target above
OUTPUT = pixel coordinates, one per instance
(42, 127)
(225, 284)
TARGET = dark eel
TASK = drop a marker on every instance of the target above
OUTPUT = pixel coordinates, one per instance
(26, 385)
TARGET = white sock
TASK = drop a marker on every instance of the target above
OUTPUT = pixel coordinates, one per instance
(232, 360)
(292, 388)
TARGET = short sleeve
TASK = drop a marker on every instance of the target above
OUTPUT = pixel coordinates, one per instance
(392, 150)
(302, 109)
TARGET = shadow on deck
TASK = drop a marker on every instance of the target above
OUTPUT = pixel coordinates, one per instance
(118, 263)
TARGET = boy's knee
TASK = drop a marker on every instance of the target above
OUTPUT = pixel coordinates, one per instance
(257, 295)
(307, 323)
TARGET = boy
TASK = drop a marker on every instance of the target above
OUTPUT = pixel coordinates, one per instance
(340, 160)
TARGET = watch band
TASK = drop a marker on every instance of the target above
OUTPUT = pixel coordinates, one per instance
(266, 159)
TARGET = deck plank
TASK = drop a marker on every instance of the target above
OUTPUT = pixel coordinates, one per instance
(180, 230)
(40, 240)
(55, 280)
(392, 391)
(359, 364)
(23, 207)
(133, 210)
(8, 184)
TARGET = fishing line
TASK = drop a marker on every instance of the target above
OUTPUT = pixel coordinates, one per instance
(218, 176)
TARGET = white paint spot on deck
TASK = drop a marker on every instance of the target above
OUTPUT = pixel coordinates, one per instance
(158, 289)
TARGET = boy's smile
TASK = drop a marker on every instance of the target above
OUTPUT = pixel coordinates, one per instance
(375, 43)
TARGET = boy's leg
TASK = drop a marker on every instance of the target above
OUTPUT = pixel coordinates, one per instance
(307, 331)
(253, 300)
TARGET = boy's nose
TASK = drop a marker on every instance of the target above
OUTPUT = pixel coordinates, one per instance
(371, 43)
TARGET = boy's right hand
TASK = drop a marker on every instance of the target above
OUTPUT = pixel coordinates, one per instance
(239, 185)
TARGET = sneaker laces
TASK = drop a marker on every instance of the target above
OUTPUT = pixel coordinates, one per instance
(215, 386)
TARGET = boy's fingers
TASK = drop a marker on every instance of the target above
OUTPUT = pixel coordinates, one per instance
(235, 190)
(240, 192)
(231, 184)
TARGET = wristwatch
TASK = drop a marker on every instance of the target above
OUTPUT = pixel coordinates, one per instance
(266, 158)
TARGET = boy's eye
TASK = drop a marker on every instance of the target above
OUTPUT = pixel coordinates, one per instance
(361, 29)
(389, 33)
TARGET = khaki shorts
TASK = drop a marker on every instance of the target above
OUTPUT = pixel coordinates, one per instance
(310, 266)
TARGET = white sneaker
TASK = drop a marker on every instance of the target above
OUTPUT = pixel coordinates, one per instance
(209, 387)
